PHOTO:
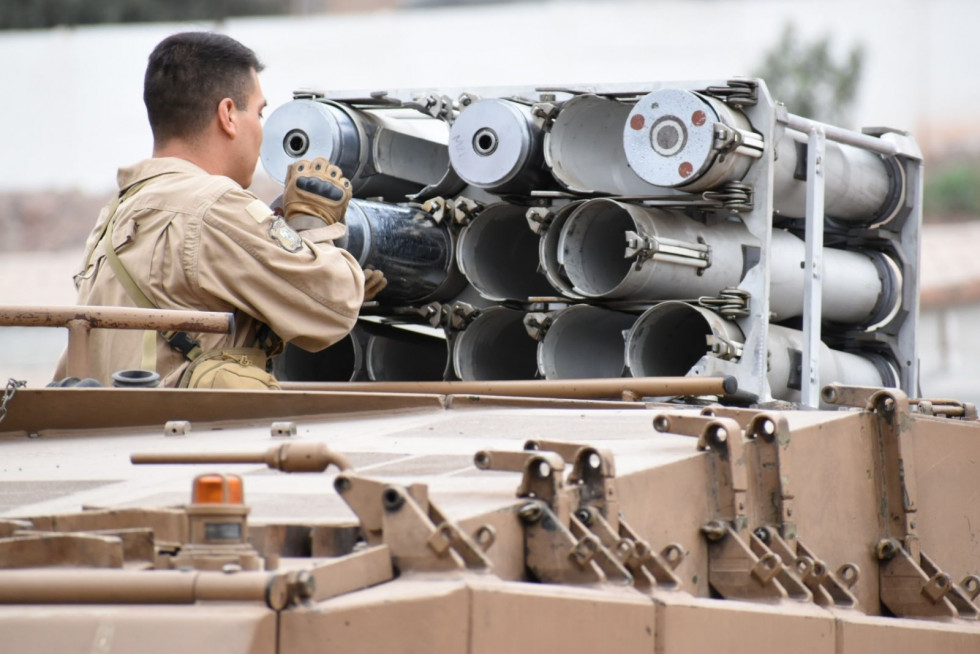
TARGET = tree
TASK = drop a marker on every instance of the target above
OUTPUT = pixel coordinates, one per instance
(807, 79)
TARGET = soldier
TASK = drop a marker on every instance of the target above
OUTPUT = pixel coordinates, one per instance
(183, 233)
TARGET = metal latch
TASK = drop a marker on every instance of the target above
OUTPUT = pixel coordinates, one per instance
(658, 248)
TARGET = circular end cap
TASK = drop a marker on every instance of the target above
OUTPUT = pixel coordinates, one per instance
(301, 129)
(730, 385)
(490, 142)
(668, 137)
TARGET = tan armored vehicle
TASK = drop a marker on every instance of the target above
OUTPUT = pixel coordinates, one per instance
(644, 379)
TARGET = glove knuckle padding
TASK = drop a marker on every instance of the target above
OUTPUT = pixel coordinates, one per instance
(320, 187)
(316, 188)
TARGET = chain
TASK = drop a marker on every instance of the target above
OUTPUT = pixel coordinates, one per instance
(8, 394)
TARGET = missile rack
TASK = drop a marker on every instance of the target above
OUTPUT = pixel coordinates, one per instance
(744, 160)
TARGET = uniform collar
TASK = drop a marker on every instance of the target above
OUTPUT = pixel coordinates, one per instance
(148, 168)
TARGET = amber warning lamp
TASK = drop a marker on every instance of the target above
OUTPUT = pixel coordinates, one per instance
(217, 526)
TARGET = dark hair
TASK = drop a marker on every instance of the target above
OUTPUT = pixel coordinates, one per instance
(188, 74)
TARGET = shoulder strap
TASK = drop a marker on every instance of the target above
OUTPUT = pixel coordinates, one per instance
(180, 341)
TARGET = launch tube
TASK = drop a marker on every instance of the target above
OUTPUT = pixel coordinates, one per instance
(678, 257)
(861, 186)
(693, 142)
(389, 153)
(414, 252)
(498, 254)
(584, 148)
(495, 145)
(585, 342)
(397, 354)
(342, 361)
(671, 337)
(495, 346)
(696, 259)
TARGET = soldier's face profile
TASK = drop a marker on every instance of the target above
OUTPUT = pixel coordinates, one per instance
(250, 133)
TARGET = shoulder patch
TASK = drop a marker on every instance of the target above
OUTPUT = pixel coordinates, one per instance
(258, 210)
(285, 236)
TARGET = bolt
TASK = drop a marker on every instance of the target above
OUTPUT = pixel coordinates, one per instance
(714, 530)
(886, 549)
(304, 586)
(584, 516)
(392, 500)
(530, 513)
(763, 534)
(341, 484)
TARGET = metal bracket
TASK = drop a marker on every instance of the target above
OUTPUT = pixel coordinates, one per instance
(735, 571)
(536, 324)
(826, 587)
(542, 476)
(861, 397)
(418, 534)
(918, 589)
(539, 218)
(552, 554)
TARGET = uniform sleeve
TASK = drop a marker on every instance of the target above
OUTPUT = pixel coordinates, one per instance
(308, 293)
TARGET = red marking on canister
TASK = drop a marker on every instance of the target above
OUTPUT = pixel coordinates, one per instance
(698, 118)
(637, 121)
(685, 169)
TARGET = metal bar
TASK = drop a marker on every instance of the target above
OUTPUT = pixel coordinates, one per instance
(565, 388)
(288, 457)
(841, 135)
(65, 586)
(118, 318)
(76, 364)
(813, 267)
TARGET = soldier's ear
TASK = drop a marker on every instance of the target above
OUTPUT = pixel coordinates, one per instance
(227, 119)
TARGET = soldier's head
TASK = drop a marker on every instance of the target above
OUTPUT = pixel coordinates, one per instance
(200, 85)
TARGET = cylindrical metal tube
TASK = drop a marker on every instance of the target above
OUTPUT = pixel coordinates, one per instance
(396, 354)
(415, 253)
(296, 456)
(670, 338)
(495, 346)
(682, 139)
(687, 259)
(495, 145)
(584, 148)
(583, 329)
(498, 254)
(676, 138)
(118, 318)
(858, 287)
(861, 186)
(556, 388)
(387, 153)
(593, 244)
(342, 361)
(785, 347)
(138, 587)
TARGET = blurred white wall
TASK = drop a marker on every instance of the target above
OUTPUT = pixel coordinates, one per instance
(72, 110)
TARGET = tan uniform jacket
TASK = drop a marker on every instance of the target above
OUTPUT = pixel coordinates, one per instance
(191, 240)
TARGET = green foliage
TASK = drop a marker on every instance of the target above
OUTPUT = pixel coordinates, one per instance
(953, 190)
(32, 14)
(805, 77)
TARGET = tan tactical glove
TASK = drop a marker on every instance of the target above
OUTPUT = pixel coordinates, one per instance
(374, 283)
(315, 188)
